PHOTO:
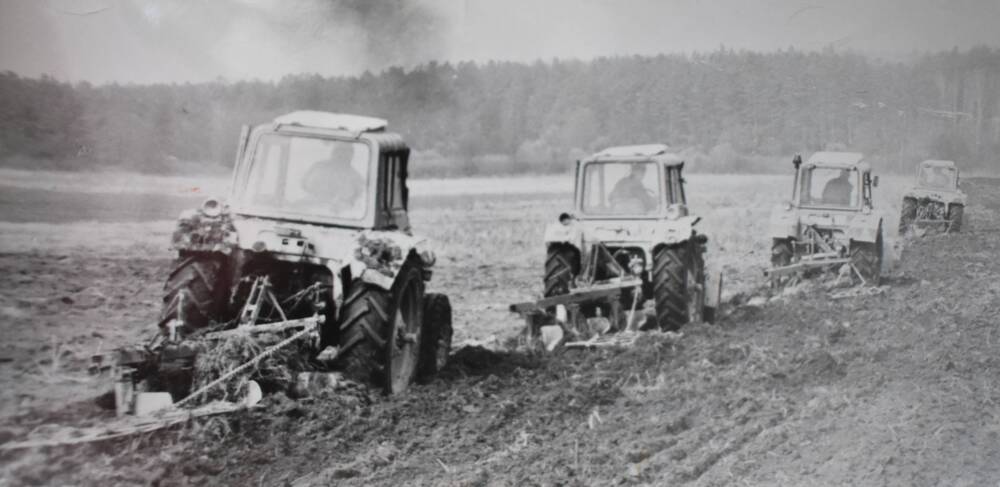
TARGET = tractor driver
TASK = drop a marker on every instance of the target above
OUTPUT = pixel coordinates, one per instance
(939, 178)
(838, 190)
(630, 192)
(333, 181)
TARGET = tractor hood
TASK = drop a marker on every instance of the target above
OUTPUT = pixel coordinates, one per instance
(374, 256)
(858, 225)
(942, 195)
(333, 247)
(577, 232)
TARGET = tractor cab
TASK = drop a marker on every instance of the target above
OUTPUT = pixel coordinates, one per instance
(937, 175)
(323, 168)
(631, 182)
(834, 181)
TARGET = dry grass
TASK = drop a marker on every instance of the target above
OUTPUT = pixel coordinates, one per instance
(221, 356)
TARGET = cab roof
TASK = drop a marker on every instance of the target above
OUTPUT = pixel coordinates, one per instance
(836, 159)
(332, 121)
(938, 163)
(645, 152)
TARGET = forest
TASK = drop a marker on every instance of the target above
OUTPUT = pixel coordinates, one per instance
(724, 111)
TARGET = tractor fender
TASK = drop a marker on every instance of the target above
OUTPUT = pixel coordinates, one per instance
(784, 223)
(674, 231)
(864, 228)
(568, 233)
(200, 230)
(378, 256)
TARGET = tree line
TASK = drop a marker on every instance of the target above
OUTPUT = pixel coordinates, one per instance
(725, 111)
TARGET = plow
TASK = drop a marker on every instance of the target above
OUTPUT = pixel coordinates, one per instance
(168, 361)
(604, 300)
(814, 253)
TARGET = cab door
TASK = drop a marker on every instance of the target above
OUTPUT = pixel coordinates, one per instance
(395, 194)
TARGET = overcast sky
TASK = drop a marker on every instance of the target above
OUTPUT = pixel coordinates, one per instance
(193, 40)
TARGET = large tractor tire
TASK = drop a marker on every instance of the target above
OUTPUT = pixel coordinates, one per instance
(781, 252)
(696, 288)
(907, 215)
(380, 331)
(435, 343)
(562, 263)
(195, 292)
(956, 212)
(670, 279)
(866, 257)
(781, 255)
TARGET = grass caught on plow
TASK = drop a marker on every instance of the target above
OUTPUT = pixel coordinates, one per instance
(274, 372)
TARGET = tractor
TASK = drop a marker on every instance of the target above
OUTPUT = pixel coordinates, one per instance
(935, 202)
(315, 233)
(830, 220)
(629, 239)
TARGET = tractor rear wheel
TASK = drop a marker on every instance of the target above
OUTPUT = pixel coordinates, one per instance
(781, 255)
(866, 257)
(435, 343)
(562, 263)
(195, 291)
(670, 278)
(955, 213)
(907, 215)
(696, 288)
(380, 331)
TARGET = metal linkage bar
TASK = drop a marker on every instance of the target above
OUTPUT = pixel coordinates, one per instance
(579, 295)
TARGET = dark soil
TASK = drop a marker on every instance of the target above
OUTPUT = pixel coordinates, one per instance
(898, 388)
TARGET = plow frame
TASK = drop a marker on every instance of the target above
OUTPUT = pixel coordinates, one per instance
(128, 365)
(818, 254)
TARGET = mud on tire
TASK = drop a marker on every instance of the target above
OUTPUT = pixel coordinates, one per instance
(907, 215)
(866, 257)
(366, 327)
(955, 214)
(562, 263)
(195, 291)
(669, 286)
(781, 252)
(435, 343)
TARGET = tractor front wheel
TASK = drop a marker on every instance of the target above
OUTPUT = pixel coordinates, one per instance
(670, 279)
(955, 214)
(907, 215)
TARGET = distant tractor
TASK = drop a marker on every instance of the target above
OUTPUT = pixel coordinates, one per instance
(935, 202)
(631, 232)
(830, 220)
(315, 236)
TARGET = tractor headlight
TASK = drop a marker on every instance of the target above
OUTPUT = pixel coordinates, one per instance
(566, 219)
(673, 211)
(211, 208)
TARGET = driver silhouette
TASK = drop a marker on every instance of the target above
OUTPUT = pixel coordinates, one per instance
(630, 188)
